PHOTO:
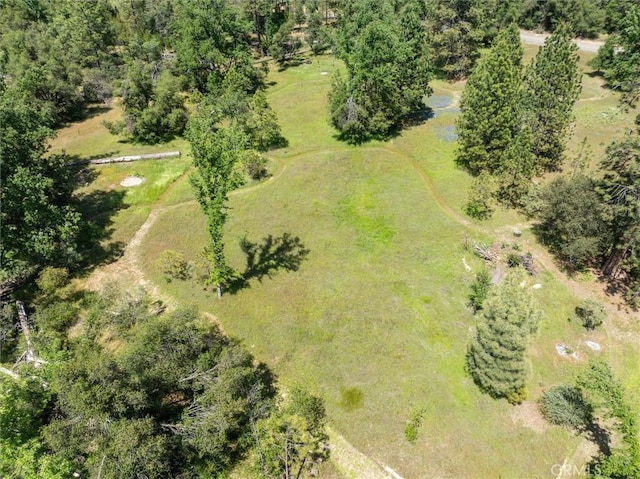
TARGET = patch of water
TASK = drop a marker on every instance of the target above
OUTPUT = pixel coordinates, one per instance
(446, 133)
(439, 101)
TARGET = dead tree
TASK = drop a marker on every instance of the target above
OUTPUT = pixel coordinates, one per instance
(484, 252)
(29, 355)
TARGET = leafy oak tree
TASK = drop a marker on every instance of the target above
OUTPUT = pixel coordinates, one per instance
(387, 68)
(38, 225)
(571, 221)
(607, 396)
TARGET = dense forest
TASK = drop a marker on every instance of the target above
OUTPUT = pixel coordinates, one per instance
(115, 384)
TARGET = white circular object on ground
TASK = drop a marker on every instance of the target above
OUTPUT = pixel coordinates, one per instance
(131, 181)
(537, 286)
(324, 73)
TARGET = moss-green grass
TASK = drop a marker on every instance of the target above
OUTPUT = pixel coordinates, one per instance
(375, 319)
(377, 311)
(133, 204)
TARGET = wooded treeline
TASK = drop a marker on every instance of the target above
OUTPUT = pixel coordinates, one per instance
(513, 128)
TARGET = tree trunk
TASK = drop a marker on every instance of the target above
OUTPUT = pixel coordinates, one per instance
(256, 22)
(612, 265)
(219, 290)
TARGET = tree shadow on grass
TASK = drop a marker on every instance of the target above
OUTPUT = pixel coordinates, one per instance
(97, 208)
(599, 436)
(265, 258)
(291, 61)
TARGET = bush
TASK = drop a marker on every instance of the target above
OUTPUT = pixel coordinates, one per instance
(54, 283)
(479, 290)
(56, 316)
(517, 396)
(564, 405)
(514, 260)
(591, 313)
(481, 204)
(173, 266)
(255, 165)
(412, 429)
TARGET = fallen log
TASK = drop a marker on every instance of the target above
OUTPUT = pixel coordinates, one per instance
(125, 159)
(29, 355)
(484, 252)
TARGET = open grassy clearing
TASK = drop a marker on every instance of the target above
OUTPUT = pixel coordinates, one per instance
(375, 319)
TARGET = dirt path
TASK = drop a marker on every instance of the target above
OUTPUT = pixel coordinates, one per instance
(351, 462)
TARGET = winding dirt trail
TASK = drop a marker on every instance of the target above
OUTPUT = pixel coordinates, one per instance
(351, 463)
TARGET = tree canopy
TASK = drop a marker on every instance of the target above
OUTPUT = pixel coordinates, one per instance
(388, 73)
(496, 357)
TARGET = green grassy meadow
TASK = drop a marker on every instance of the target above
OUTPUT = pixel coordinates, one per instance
(375, 318)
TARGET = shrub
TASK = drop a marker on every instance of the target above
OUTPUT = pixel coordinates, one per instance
(564, 405)
(481, 204)
(479, 290)
(413, 426)
(173, 266)
(54, 283)
(255, 165)
(591, 313)
(517, 396)
(514, 260)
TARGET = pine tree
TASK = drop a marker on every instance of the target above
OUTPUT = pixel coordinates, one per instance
(551, 88)
(491, 112)
(497, 355)
(620, 189)
(453, 39)
(517, 169)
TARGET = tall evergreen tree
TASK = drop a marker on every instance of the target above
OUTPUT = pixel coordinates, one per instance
(516, 170)
(497, 355)
(491, 107)
(453, 39)
(620, 188)
(619, 59)
(551, 88)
